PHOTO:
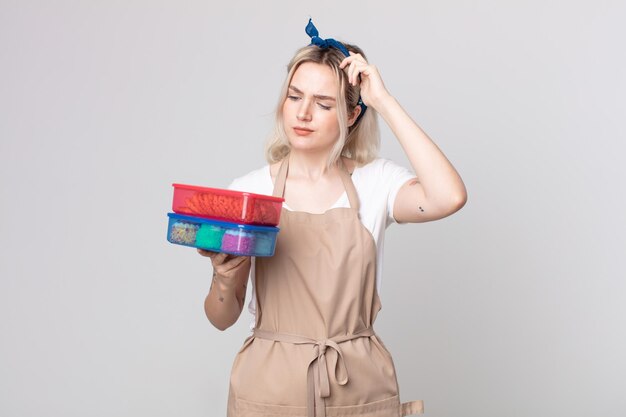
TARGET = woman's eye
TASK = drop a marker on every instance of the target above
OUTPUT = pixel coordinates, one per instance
(293, 98)
(323, 106)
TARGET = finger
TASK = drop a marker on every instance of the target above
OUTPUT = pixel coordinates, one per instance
(234, 263)
(356, 58)
(347, 60)
(349, 71)
(219, 258)
(207, 253)
(355, 70)
(352, 58)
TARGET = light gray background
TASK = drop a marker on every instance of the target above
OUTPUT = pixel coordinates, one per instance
(515, 306)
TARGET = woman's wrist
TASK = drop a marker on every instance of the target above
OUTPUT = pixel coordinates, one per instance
(385, 104)
(222, 283)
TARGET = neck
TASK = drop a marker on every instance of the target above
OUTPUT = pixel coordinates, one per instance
(312, 166)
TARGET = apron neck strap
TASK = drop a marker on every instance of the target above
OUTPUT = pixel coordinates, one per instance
(281, 179)
(353, 197)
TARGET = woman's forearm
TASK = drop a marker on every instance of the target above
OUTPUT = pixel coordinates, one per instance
(224, 303)
(441, 183)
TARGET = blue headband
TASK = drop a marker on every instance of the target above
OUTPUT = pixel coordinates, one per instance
(312, 31)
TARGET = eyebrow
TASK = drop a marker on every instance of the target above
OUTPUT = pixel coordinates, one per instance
(317, 96)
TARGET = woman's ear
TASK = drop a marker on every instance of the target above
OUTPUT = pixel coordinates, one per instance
(355, 115)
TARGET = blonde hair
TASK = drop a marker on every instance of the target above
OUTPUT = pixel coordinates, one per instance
(360, 141)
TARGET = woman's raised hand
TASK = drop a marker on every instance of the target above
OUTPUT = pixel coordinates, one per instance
(373, 90)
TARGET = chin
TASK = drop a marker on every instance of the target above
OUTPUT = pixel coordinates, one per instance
(305, 143)
(300, 142)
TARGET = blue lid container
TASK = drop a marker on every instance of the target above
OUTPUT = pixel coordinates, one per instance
(219, 236)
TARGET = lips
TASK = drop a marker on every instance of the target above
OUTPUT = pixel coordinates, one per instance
(302, 131)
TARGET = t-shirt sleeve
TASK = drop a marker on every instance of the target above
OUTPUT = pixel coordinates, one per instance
(244, 183)
(234, 185)
(257, 181)
(394, 176)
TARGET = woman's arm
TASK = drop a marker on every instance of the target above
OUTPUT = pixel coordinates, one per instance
(224, 303)
(438, 191)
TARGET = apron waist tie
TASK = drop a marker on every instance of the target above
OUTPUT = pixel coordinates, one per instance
(318, 381)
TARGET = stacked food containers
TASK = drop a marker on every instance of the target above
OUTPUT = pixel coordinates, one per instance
(227, 221)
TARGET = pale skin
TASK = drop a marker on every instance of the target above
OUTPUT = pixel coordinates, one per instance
(310, 120)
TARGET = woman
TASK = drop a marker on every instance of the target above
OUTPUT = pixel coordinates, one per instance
(313, 351)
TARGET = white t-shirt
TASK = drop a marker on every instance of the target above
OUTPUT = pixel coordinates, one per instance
(377, 185)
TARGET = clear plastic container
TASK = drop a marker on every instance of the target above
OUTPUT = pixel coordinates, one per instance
(218, 236)
(227, 205)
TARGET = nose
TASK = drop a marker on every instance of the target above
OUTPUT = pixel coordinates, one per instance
(304, 112)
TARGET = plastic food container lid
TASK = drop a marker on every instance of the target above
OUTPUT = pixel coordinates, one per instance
(224, 191)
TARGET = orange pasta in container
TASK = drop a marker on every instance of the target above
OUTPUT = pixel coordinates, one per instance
(229, 205)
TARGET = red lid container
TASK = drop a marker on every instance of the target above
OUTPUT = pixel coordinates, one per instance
(228, 205)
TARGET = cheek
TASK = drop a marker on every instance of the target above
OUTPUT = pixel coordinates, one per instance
(331, 122)
(288, 112)
(285, 107)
